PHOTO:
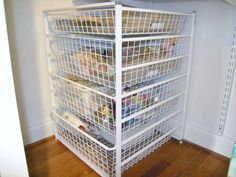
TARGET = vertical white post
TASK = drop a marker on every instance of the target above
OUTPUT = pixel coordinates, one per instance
(188, 75)
(48, 55)
(50, 70)
(118, 64)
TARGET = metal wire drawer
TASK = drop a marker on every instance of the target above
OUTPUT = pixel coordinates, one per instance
(142, 60)
(101, 154)
(102, 21)
(138, 106)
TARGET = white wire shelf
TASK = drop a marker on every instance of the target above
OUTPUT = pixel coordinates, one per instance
(102, 21)
(101, 155)
(143, 60)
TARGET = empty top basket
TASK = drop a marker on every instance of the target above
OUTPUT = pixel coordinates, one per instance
(100, 20)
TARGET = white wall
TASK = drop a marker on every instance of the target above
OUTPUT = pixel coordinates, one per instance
(27, 41)
(12, 159)
(214, 31)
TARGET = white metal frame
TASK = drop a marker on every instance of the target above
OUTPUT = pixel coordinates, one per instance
(48, 56)
(193, 23)
(118, 40)
(122, 165)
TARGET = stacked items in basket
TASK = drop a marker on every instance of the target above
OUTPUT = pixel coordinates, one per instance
(104, 109)
(62, 116)
(103, 22)
(98, 65)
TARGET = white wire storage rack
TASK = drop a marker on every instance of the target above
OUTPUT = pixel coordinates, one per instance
(119, 78)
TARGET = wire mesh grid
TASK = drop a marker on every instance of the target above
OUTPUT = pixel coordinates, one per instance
(103, 158)
(93, 59)
(145, 98)
(102, 21)
(141, 22)
(145, 60)
(149, 137)
(145, 153)
(146, 119)
(99, 110)
(148, 73)
(136, 52)
(92, 107)
(88, 58)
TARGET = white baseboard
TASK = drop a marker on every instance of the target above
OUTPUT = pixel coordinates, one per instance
(218, 144)
(38, 133)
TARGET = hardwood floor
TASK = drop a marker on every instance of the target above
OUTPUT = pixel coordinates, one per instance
(51, 159)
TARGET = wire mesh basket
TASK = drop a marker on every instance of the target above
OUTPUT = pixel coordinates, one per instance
(146, 142)
(144, 60)
(143, 99)
(95, 108)
(88, 58)
(101, 155)
(159, 112)
(137, 51)
(102, 21)
(99, 110)
(145, 153)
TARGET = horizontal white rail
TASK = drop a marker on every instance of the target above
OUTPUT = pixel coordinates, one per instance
(155, 11)
(89, 6)
(153, 37)
(74, 36)
(152, 63)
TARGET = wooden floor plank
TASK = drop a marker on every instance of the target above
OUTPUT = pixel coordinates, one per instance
(52, 159)
(165, 152)
(180, 162)
(194, 164)
(221, 169)
(157, 168)
(150, 161)
(164, 163)
(56, 160)
(207, 168)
